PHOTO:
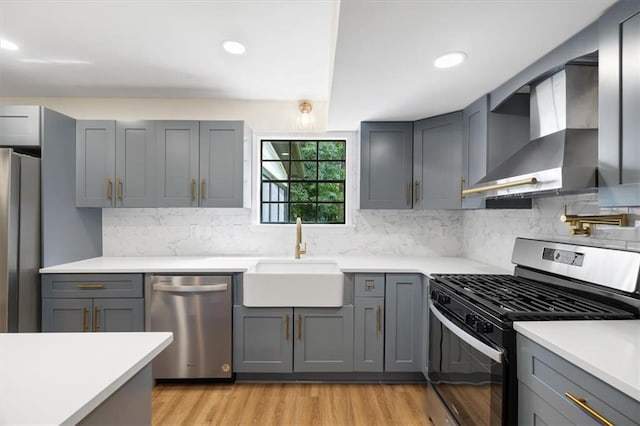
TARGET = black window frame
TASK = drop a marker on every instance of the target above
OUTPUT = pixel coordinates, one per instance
(289, 181)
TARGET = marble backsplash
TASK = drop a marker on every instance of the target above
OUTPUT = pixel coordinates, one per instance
(488, 235)
(483, 235)
(199, 231)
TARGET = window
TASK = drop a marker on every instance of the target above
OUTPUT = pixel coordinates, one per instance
(302, 178)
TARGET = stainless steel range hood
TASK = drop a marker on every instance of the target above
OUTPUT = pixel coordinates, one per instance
(562, 154)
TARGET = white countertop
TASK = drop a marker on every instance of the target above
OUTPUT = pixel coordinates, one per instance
(59, 378)
(212, 264)
(609, 350)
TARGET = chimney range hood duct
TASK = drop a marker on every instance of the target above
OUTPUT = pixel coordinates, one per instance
(562, 154)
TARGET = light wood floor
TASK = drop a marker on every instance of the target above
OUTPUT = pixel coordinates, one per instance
(290, 404)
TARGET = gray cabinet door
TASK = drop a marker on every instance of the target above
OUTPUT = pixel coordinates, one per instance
(619, 106)
(95, 163)
(67, 315)
(534, 411)
(135, 164)
(20, 125)
(221, 150)
(403, 323)
(386, 150)
(475, 119)
(262, 340)
(368, 334)
(324, 339)
(111, 315)
(177, 144)
(424, 347)
(437, 162)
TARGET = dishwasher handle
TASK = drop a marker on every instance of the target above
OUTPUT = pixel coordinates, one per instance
(191, 288)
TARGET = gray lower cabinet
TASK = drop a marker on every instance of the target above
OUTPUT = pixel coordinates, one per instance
(20, 125)
(324, 339)
(282, 340)
(262, 340)
(437, 158)
(92, 302)
(368, 333)
(386, 150)
(403, 323)
(619, 106)
(115, 163)
(546, 381)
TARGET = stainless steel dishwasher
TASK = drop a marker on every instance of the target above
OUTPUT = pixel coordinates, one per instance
(197, 309)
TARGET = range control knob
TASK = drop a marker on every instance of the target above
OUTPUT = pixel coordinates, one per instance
(443, 299)
(434, 295)
(470, 319)
(483, 327)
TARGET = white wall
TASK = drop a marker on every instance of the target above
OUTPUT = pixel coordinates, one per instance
(261, 116)
(488, 235)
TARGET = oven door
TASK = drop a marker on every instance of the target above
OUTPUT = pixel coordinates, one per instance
(467, 372)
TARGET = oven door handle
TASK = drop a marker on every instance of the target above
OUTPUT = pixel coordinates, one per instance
(483, 348)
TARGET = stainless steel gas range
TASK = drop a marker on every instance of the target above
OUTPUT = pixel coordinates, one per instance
(472, 343)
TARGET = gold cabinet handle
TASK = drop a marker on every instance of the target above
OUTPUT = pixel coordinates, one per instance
(487, 188)
(85, 314)
(96, 326)
(203, 188)
(299, 327)
(89, 286)
(286, 328)
(369, 284)
(416, 191)
(409, 193)
(119, 190)
(379, 319)
(109, 186)
(193, 190)
(582, 404)
(462, 181)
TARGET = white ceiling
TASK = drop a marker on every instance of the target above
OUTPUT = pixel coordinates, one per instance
(382, 68)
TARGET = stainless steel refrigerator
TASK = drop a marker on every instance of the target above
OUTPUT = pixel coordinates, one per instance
(19, 242)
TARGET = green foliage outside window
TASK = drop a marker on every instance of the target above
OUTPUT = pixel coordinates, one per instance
(303, 179)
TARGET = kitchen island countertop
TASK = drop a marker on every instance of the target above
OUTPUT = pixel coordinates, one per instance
(609, 350)
(220, 264)
(60, 378)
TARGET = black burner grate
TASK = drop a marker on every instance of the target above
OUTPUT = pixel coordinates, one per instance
(522, 299)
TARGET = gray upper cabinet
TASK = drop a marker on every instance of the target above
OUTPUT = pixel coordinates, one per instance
(324, 339)
(115, 163)
(403, 323)
(177, 155)
(437, 158)
(619, 106)
(135, 164)
(20, 125)
(95, 163)
(386, 150)
(488, 139)
(221, 151)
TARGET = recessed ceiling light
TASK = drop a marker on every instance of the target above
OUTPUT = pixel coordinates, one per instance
(233, 47)
(450, 59)
(9, 45)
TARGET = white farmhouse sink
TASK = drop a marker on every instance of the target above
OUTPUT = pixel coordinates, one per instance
(293, 282)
